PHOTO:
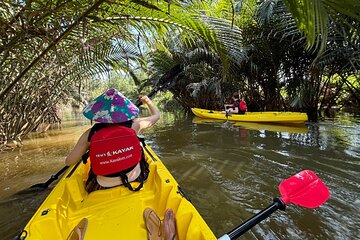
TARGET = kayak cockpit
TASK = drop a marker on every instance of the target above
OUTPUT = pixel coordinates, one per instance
(115, 213)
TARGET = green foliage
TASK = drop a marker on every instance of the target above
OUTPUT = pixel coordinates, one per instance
(312, 17)
(119, 81)
(54, 51)
(166, 102)
(51, 51)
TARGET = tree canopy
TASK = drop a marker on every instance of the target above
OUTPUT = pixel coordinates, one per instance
(281, 55)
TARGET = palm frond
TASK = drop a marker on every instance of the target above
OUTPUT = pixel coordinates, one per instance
(312, 17)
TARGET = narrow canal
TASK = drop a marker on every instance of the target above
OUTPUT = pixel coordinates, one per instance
(230, 172)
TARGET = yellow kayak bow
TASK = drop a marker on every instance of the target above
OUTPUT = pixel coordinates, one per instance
(115, 213)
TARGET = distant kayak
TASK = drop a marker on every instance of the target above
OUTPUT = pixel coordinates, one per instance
(272, 127)
(260, 117)
(115, 213)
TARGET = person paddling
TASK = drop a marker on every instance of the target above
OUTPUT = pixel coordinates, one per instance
(238, 105)
(114, 114)
(242, 106)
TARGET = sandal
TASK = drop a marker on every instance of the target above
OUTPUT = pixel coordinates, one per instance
(153, 224)
(169, 226)
(78, 233)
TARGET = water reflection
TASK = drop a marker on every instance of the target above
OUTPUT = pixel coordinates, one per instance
(17, 209)
(238, 170)
(229, 171)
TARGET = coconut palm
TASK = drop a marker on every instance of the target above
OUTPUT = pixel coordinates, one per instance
(313, 16)
(306, 73)
(60, 45)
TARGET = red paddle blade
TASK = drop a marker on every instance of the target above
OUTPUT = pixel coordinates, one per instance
(304, 189)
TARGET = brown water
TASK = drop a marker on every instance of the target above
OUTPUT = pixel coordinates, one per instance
(229, 171)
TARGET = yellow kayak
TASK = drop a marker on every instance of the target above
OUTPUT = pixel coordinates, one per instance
(115, 213)
(273, 127)
(263, 117)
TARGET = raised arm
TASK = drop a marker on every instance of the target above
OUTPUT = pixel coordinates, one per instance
(146, 122)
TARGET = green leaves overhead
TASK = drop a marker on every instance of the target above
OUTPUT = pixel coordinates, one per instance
(312, 17)
(247, 44)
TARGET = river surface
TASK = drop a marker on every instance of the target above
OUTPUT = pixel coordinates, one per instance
(230, 171)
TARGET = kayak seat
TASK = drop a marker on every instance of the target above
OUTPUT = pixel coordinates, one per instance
(78, 233)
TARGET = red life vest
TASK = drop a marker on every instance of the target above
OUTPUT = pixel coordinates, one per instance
(242, 106)
(113, 149)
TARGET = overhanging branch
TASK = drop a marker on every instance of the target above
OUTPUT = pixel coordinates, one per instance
(51, 45)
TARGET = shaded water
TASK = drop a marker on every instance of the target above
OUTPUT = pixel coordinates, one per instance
(229, 171)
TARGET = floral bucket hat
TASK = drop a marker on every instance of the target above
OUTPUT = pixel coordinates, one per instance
(111, 107)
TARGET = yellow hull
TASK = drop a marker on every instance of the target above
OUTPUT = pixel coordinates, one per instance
(115, 213)
(273, 127)
(263, 117)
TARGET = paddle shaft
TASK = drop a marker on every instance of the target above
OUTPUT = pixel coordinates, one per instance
(56, 176)
(51, 179)
(257, 218)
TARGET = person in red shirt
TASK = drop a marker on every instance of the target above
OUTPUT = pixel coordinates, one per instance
(242, 106)
(238, 105)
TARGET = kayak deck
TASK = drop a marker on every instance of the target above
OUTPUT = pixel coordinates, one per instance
(115, 213)
(273, 127)
(264, 117)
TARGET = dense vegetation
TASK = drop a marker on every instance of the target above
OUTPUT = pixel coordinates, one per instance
(281, 55)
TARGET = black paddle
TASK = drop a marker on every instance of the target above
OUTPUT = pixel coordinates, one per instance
(52, 179)
(304, 189)
(163, 83)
